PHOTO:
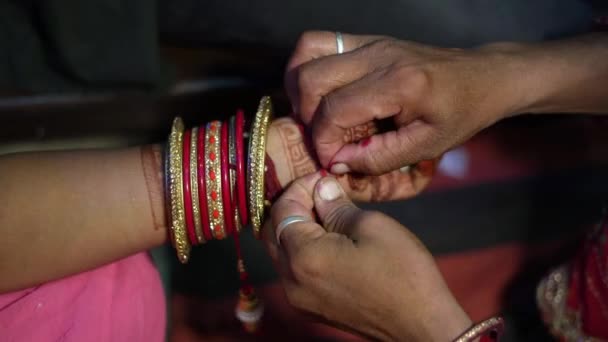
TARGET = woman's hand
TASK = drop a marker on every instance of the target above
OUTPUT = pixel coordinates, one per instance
(293, 158)
(359, 270)
(435, 97)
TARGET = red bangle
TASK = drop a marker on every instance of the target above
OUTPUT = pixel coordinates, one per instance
(187, 193)
(226, 198)
(202, 186)
(240, 167)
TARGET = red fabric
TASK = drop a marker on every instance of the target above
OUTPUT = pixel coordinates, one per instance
(588, 287)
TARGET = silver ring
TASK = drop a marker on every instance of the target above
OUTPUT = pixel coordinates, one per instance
(289, 220)
(340, 42)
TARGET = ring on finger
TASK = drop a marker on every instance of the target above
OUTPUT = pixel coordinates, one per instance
(288, 221)
(339, 43)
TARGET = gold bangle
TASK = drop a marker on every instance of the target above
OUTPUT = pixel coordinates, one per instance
(232, 166)
(213, 179)
(178, 219)
(257, 153)
(198, 226)
(493, 326)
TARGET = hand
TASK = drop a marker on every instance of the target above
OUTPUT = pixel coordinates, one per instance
(359, 270)
(293, 159)
(435, 97)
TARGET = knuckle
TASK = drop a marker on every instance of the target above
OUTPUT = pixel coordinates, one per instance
(306, 79)
(327, 105)
(383, 45)
(340, 217)
(417, 79)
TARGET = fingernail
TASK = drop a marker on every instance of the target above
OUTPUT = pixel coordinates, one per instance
(339, 168)
(329, 189)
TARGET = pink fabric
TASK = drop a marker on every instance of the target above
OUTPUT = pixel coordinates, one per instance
(122, 301)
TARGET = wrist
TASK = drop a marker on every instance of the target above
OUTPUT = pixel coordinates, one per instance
(510, 68)
(445, 321)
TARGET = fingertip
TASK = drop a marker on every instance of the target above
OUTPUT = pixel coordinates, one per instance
(339, 168)
(328, 189)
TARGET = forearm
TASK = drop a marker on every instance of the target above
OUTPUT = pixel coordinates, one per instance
(565, 76)
(66, 212)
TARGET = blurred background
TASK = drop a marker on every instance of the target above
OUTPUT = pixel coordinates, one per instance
(502, 210)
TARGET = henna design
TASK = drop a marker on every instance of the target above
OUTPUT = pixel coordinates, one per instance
(299, 158)
(300, 161)
(151, 163)
(355, 134)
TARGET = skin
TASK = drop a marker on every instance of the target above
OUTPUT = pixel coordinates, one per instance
(359, 270)
(66, 212)
(434, 98)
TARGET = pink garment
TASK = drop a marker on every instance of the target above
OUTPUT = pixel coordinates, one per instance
(122, 301)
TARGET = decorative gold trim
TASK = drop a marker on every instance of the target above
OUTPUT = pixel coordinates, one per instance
(198, 225)
(257, 152)
(178, 217)
(551, 295)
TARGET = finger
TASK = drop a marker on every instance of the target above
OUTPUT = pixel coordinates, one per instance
(316, 69)
(296, 201)
(315, 44)
(396, 185)
(336, 211)
(386, 152)
(379, 95)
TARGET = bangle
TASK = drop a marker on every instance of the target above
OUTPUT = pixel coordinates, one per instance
(187, 186)
(194, 186)
(257, 151)
(489, 330)
(213, 181)
(178, 226)
(240, 167)
(202, 194)
(167, 193)
(232, 161)
(226, 197)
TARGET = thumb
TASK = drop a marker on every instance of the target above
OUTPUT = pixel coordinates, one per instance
(389, 151)
(336, 211)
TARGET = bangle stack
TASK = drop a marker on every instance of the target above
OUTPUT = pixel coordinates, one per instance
(212, 193)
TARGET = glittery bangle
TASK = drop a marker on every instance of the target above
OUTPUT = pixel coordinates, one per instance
(225, 175)
(213, 181)
(167, 193)
(202, 193)
(194, 186)
(489, 330)
(187, 189)
(257, 152)
(241, 187)
(178, 225)
(232, 160)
